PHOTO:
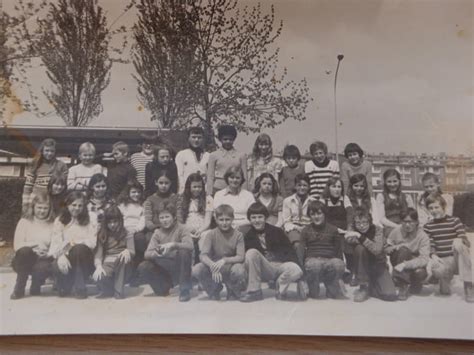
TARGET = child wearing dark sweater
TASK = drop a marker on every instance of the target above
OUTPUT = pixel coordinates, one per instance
(162, 161)
(120, 171)
(320, 251)
(294, 166)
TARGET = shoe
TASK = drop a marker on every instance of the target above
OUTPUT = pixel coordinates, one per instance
(252, 296)
(281, 296)
(17, 295)
(103, 295)
(119, 296)
(302, 289)
(216, 295)
(402, 293)
(354, 282)
(35, 290)
(362, 294)
(184, 296)
(272, 285)
(469, 292)
(81, 294)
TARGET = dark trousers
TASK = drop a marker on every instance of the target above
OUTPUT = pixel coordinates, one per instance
(326, 270)
(82, 266)
(412, 277)
(116, 273)
(373, 273)
(163, 273)
(26, 262)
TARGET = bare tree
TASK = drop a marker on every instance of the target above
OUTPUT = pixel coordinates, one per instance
(240, 80)
(74, 47)
(165, 61)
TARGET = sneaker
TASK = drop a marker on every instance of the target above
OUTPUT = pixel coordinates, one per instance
(469, 292)
(402, 293)
(362, 294)
(252, 296)
(184, 296)
(302, 289)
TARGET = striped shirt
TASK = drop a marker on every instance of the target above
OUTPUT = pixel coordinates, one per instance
(318, 176)
(442, 233)
(139, 161)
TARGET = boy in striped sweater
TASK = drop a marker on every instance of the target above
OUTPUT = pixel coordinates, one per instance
(320, 168)
(141, 159)
(449, 247)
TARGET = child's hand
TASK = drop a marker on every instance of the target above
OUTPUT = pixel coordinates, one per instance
(166, 248)
(390, 249)
(63, 264)
(98, 273)
(125, 256)
(216, 267)
(400, 267)
(217, 277)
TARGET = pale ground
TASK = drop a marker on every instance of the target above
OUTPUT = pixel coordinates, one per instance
(428, 315)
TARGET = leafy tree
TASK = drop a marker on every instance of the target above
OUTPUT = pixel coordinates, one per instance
(240, 80)
(73, 45)
(164, 60)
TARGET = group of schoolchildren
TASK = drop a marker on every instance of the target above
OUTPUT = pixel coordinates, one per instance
(223, 219)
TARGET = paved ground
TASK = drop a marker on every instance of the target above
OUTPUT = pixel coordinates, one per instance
(427, 315)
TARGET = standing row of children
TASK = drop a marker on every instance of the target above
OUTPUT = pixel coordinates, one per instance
(325, 213)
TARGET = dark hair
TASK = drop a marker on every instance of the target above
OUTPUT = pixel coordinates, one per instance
(302, 177)
(162, 146)
(110, 214)
(316, 206)
(260, 139)
(362, 213)
(167, 206)
(83, 218)
(57, 178)
(331, 182)
(391, 172)
(409, 212)
(195, 130)
(226, 130)
(149, 138)
(187, 196)
(96, 178)
(291, 151)
(38, 158)
(236, 169)
(257, 208)
(164, 172)
(435, 197)
(275, 189)
(124, 196)
(353, 148)
(318, 145)
(366, 198)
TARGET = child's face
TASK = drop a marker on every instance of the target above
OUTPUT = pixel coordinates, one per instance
(227, 142)
(99, 189)
(224, 222)
(266, 186)
(87, 157)
(147, 148)
(353, 158)
(358, 188)
(235, 181)
(392, 183)
(292, 162)
(57, 188)
(317, 217)
(335, 190)
(49, 153)
(319, 155)
(362, 224)
(430, 186)
(41, 210)
(195, 140)
(302, 188)
(113, 225)
(119, 156)
(258, 221)
(163, 156)
(135, 194)
(436, 210)
(196, 188)
(163, 184)
(409, 225)
(264, 147)
(76, 207)
(166, 219)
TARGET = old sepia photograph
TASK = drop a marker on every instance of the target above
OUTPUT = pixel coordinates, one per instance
(286, 167)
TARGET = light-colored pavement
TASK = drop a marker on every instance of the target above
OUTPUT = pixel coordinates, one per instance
(427, 315)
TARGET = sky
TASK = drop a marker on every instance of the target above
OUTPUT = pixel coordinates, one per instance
(405, 84)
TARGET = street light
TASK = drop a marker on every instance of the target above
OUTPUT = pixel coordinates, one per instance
(340, 57)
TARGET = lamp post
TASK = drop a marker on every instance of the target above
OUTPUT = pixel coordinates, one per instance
(340, 57)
